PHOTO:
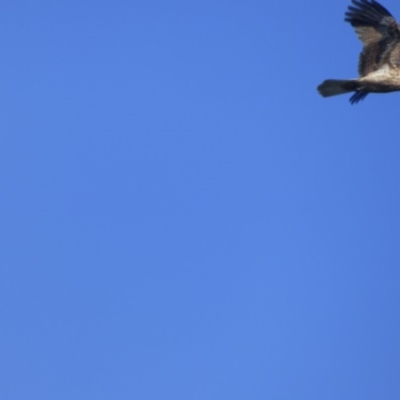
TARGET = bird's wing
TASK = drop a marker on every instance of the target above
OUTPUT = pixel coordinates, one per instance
(379, 33)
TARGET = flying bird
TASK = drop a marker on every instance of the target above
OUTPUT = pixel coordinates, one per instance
(379, 61)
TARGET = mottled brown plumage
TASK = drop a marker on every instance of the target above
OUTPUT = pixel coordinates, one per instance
(379, 62)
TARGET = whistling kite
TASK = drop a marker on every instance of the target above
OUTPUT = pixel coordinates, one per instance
(379, 62)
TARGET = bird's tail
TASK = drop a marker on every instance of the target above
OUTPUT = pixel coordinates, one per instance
(333, 87)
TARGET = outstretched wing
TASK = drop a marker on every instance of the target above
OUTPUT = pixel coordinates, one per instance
(379, 33)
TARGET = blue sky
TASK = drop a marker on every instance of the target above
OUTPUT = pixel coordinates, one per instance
(183, 216)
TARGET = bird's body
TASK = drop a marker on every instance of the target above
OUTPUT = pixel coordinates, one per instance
(379, 62)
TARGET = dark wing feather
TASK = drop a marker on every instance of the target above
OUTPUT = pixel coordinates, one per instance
(357, 96)
(379, 33)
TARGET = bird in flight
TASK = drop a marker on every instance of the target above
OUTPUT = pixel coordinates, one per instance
(379, 61)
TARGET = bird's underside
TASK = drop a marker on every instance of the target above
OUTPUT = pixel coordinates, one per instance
(379, 61)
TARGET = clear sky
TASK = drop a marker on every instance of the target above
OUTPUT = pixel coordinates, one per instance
(183, 216)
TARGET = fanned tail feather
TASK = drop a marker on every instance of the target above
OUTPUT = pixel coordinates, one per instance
(334, 87)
